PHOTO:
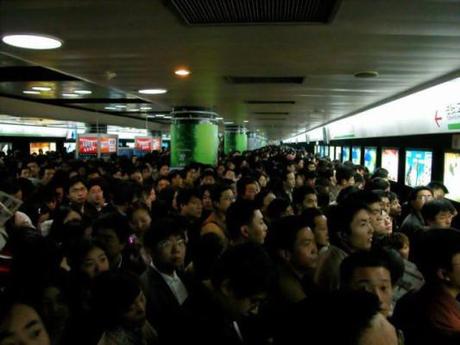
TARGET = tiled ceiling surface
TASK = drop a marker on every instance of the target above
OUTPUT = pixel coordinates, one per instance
(116, 47)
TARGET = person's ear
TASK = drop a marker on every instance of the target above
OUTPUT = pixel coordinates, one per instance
(443, 275)
(244, 231)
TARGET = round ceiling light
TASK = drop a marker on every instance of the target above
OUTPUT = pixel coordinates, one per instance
(367, 74)
(40, 42)
(153, 91)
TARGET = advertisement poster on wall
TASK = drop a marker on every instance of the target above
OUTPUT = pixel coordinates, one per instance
(108, 144)
(87, 145)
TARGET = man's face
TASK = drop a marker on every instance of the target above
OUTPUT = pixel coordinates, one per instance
(395, 208)
(226, 199)
(162, 184)
(385, 204)
(110, 242)
(136, 177)
(257, 230)
(164, 170)
(438, 193)
(376, 280)
(170, 254)
(305, 252)
(250, 191)
(422, 197)
(290, 181)
(177, 181)
(193, 208)
(34, 169)
(361, 231)
(442, 220)
(377, 218)
(135, 315)
(96, 196)
(310, 201)
(321, 231)
(25, 173)
(242, 307)
(208, 180)
(78, 193)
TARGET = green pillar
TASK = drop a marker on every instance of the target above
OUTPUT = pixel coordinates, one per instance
(235, 139)
(194, 136)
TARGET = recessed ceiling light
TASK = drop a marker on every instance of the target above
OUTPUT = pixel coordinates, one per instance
(246, 121)
(69, 95)
(367, 74)
(160, 115)
(29, 92)
(133, 109)
(120, 106)
(41, 88)
(228, 123)
(182, 72)
(146, 108)
(83, 92)
(32, 41)
(219, 118)
(110, 108)
(152, 91)
(168, 117)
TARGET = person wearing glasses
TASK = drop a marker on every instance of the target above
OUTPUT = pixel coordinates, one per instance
(163, 284)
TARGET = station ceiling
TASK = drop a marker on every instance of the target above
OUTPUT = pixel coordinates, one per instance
(282, 65)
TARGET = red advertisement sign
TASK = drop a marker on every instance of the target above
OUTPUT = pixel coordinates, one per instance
(87, 145)
(108, 144)
(143, 144)
(156, 144)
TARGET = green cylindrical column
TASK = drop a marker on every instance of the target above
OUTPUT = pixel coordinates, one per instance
(194, 136)
(235, 139)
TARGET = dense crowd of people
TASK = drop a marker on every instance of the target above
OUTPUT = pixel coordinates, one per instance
(273, 246)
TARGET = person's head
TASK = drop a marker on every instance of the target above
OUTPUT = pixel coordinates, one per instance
(88, 259)
(21, 324)
(395, 206)
(278, 208)
(176, 179)
(48, 174)
(370, 271)
(247, 188)
(34, 169)
(400, 242)
(136, 176)
(191, 175)
(263, 180)
(205, 193)
(164, 170)
(304, 198)
(140, 220)
(77, 190)
(438, 258)
(222, 197)
(381, 172)
(288, 180)
(96, 192)
(165, 242)
(439, 190)
(419, 196)
(124, 193)
(162, 183)
(357, 229)
(208, 178)
(111, 231)
(348, 318)
(264, 199)
(118, 301)
(378, 183)
(437, 213)
(294, 242)
(245, 222)
(189, 203)
(360, 183)
(345, 176)
(146, 170)
(25, 172)
(241, 279)
(317, 222)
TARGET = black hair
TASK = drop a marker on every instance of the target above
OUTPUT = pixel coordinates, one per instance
(115, 222)
(284, 232)
(185, 195)
(218, 190)
(277, 207)
(207, 251)
(239, 213)
(309, 216)
(414, 192)
(433, 207)
(343, 173)
(380, 172)
(346, 193)
(438, 185)
(377, 183)
(78, 252)
(76, 179)
(161, 230)
(347, 212)
(242, 183)
(248, 269)
(300, 193)
(125, 192)
(112, 295)
(374, 258)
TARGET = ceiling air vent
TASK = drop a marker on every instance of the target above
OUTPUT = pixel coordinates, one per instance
(264, 80)
(269, 102)
(215, 12)
(270, 113)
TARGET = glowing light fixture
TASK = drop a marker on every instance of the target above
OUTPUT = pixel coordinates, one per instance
(83, 92)
(30, 92)
(182, 72)
(31, 41)
(69, 95)
(153, 91)
(41, 88)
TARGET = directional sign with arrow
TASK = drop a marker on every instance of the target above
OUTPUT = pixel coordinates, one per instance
(437, 118)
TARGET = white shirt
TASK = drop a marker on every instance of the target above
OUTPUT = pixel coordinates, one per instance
(175, 284)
